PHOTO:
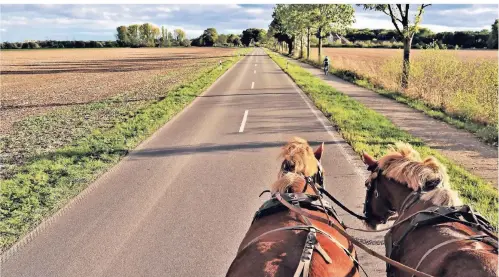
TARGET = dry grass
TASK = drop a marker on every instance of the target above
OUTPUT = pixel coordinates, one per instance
(36, 81)
(461, 83)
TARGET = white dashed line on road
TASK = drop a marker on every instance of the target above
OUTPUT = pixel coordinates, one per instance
(243, 123)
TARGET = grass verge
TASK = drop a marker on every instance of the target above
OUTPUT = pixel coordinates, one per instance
(46, 183)
(487, 133)
(367, 130)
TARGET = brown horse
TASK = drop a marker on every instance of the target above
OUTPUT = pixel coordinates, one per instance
(402, 184)
(276, 243)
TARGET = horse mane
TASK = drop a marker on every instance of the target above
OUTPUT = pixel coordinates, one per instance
(404, 165)
(293, 180)
(442, 197)
(298, 153)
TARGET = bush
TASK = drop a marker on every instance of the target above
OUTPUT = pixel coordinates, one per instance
(185, 43)
(79, 44)
(110, 43)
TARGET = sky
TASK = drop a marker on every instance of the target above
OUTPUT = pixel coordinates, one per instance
(99, 22)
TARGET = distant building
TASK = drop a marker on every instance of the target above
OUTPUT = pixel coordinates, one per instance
(334, 37)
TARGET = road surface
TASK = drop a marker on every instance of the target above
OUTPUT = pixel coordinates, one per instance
(180, 204)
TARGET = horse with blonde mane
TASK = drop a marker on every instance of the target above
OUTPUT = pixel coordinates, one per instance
(434, 232)
(281, 242)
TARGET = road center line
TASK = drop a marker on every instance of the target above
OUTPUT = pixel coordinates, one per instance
(252, 85)
(243, 123)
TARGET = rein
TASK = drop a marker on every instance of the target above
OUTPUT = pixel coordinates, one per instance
(322, 190)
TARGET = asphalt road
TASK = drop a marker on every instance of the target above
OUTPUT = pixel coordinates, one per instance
(180, 204)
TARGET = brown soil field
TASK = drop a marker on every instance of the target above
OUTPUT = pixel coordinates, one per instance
(35, 81)
(383, 54)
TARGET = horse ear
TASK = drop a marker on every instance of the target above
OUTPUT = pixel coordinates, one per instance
(319, 151)
(368, 160)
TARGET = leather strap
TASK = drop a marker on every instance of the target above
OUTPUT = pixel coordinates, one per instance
(353, 240)
(477, 238)
(306, 255)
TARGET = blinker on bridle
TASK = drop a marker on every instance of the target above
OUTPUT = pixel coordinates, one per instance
(372, 190)
(317, 178)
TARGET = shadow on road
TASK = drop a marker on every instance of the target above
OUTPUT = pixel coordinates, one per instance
(211, 147)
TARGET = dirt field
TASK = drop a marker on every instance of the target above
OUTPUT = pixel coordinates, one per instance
(383, 54)
(36, 81)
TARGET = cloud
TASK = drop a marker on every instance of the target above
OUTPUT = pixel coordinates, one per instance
(255, 11)
(22, 22)
(438, 18)
(441, 28)
(473, 10)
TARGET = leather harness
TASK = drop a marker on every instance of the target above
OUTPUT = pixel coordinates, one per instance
(303, 200)
(436, 215)
(309, 202)
(430, 216)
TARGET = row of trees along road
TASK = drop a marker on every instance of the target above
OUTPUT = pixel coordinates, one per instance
(297, 21)
(148, 35)
(425, 38)
(249, 37)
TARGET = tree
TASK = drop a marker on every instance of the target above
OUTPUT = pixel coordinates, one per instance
(164, 36)
(133, 34)
(169, 39)
(423, 35)
(185, 43)
(155, 33)
(331, 18)
(232, 39)
(280, 32)
(254, 34)
(78, 44)
(148, 34)
(399, 14)
(179, 35)
(492, 41)
(222, 39)
(209, 36)
(197, 41)
(122, 36)
(237, 41)
(295, 20)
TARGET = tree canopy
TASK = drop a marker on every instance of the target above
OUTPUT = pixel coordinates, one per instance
(253, 34)
(209, 36)
(492, 40)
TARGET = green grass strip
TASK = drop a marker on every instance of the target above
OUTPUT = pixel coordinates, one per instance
(45, 185)
(367, 130)
(487, 133)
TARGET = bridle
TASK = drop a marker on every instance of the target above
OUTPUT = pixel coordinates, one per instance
(317, 178)
(372, 190)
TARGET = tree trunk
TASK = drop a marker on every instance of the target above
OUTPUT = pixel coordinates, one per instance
(290, 46)
(308, 43)
(301, 46)
(320, 43)
(406, 67)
